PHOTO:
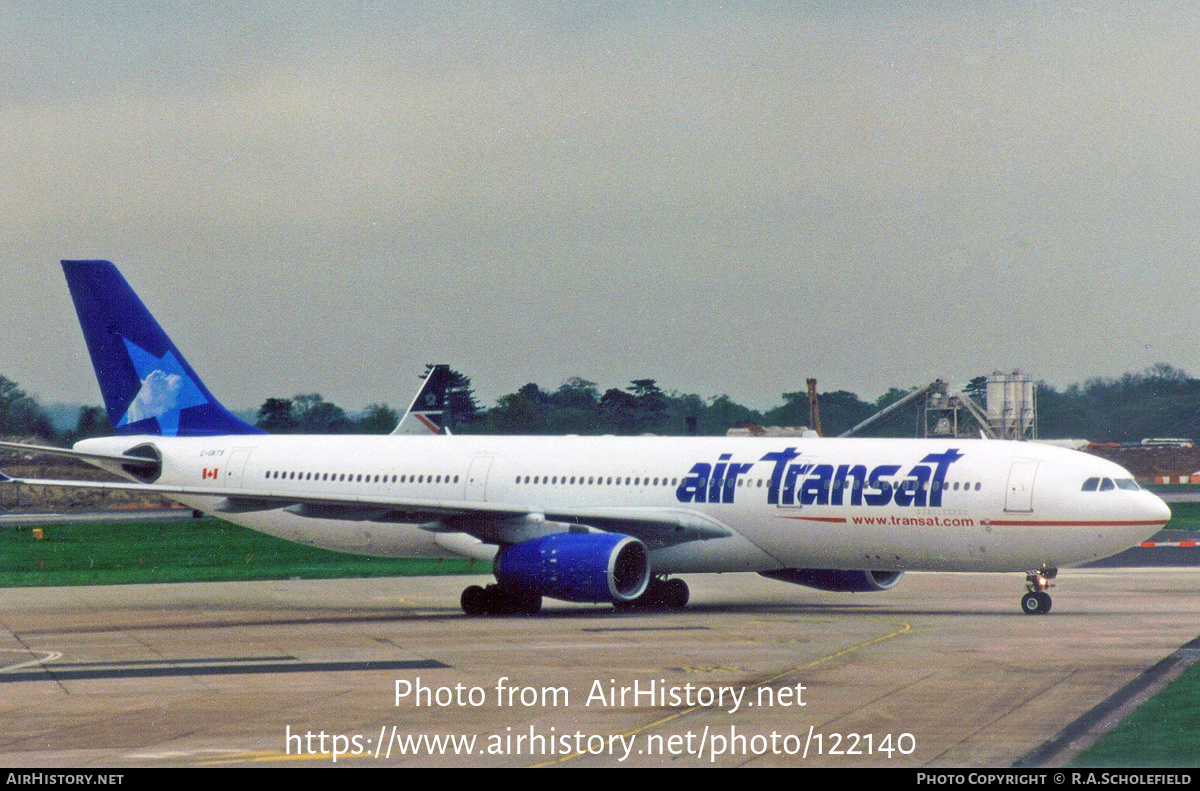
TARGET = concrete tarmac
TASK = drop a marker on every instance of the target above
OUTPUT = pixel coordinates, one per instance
(942, 671)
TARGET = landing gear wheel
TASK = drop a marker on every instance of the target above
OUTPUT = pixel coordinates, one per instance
(660, 594)
(525, 602)
(474, 601)
(677, 594)
(494, 600)
(498, 600)
(1036, 603)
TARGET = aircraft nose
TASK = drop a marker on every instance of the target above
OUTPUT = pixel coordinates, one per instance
(1156, 509)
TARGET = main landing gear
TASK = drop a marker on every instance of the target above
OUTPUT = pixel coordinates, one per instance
(660, 594)
(1036, 601)
(499, 600)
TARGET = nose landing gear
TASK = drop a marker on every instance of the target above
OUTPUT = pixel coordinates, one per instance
(1036, 601)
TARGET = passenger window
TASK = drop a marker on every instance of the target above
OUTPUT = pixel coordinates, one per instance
(1091, 484)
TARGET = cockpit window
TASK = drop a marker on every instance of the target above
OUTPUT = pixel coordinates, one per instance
(1108, 484)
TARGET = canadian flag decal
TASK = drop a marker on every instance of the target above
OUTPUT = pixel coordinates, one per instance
(207, 473)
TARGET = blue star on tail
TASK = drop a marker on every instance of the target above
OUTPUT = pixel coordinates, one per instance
(166, 390)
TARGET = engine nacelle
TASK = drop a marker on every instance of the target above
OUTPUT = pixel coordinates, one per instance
(839, 580)
(579, 567)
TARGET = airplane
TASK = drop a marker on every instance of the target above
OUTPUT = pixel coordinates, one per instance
(601, 519)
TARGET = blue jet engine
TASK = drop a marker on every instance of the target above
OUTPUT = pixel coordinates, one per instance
(578, 567)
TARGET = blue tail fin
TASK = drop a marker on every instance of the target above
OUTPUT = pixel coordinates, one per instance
(148, 387)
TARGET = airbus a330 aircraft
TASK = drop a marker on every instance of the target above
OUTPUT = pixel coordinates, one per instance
(601, 519)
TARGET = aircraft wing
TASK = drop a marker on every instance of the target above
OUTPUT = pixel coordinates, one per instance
(490, 522)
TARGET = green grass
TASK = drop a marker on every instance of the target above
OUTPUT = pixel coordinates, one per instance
(1164, 731)
(185, 551)
(1184, 516)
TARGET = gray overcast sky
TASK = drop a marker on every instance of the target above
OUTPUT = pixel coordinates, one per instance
(322, 197)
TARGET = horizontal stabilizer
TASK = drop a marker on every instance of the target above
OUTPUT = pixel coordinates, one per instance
(136, 461)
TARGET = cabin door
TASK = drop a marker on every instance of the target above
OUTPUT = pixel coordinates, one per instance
(236, 468)
(477, 476)
(1019, 496)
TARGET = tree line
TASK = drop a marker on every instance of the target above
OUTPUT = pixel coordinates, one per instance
(1161, 401)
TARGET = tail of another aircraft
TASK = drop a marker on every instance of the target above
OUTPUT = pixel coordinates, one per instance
(147, 385)
(426, 415)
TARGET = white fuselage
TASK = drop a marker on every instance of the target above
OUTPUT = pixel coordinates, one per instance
(879, 504)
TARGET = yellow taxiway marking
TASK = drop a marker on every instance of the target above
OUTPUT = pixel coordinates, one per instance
(256, 756)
